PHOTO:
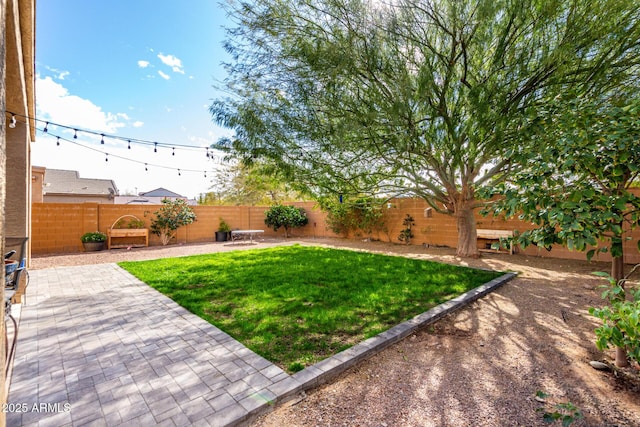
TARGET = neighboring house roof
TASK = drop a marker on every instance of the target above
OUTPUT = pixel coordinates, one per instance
(58, 181)
(160, 192)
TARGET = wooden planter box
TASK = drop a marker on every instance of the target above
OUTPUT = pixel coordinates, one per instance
(116, 233)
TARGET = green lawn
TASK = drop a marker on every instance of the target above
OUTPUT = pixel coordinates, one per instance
(296, 305)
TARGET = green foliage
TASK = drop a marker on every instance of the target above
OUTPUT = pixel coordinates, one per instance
(423, 98)
(258, 183)
(223, 226)
(567, 413)
(620, 319)
(133, 223)
(363, 216)
(286, 217)
(95, 236)
(296, 305)
(406, 234)
(171, 216)
(576, 187)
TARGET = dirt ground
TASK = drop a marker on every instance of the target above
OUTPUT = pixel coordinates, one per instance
(480, 366)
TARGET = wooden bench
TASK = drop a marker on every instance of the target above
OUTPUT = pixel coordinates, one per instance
(495, 235)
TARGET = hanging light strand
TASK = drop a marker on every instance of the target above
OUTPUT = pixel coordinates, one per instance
(107, 155)
(78, 131)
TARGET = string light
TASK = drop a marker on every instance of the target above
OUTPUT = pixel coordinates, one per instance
(129, 140)
(156, 144)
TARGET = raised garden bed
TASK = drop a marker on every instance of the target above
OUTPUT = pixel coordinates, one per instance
(127, 237)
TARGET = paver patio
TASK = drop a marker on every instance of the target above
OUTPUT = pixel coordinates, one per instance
(116, 351)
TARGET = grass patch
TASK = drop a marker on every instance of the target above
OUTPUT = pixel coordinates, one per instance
(296, 305)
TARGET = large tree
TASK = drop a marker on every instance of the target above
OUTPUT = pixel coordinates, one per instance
(410, 97)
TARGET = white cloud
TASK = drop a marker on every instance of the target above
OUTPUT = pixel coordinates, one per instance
(143, 64)
(56, 104)
(60, 75)
(164, 75)
(173, 62)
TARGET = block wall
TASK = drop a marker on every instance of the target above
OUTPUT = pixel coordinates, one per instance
(57, 227)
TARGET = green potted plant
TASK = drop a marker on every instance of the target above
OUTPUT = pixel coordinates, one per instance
(93, 241)
(222, 235)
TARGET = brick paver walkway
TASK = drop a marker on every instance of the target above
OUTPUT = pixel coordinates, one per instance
(98, 347)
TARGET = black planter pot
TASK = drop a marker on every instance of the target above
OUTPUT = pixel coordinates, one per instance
(222, 236)
(93, 246)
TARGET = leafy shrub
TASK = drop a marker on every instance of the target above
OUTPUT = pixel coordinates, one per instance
(286, 217)
(133, 223)
(362, 216)
(620, 319)
(224, 227)
(406, 234)
(171, 216)
(94, 236)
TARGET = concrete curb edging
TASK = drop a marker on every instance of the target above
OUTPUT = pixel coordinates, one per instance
(327, 369)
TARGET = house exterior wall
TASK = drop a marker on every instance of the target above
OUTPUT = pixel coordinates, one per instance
(3, 189)
(37, 184)
(17, 46)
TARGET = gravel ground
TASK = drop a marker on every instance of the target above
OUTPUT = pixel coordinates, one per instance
(481, 366)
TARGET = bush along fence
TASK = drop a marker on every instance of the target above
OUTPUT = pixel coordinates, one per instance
(57, 227)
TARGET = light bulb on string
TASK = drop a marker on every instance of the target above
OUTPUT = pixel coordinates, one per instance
(205, 174)
(12, 125)
(145, 167)
(155, 147)
(46, 127)
(58, 141)
(173, 153)
(129, 144)
(106, 158)
(102, 140)
(75, 134)
(179, 174)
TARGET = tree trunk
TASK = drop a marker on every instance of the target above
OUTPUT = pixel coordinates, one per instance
(467, 235)
(617, 272)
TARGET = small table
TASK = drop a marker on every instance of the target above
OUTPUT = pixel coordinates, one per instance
(242, 235)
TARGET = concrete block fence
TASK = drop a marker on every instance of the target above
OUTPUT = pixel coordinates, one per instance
(57, 227)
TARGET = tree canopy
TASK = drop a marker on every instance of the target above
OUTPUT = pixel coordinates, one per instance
(253, 184)
(411, 97)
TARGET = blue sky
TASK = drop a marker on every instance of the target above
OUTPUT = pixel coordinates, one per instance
(137, 69)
